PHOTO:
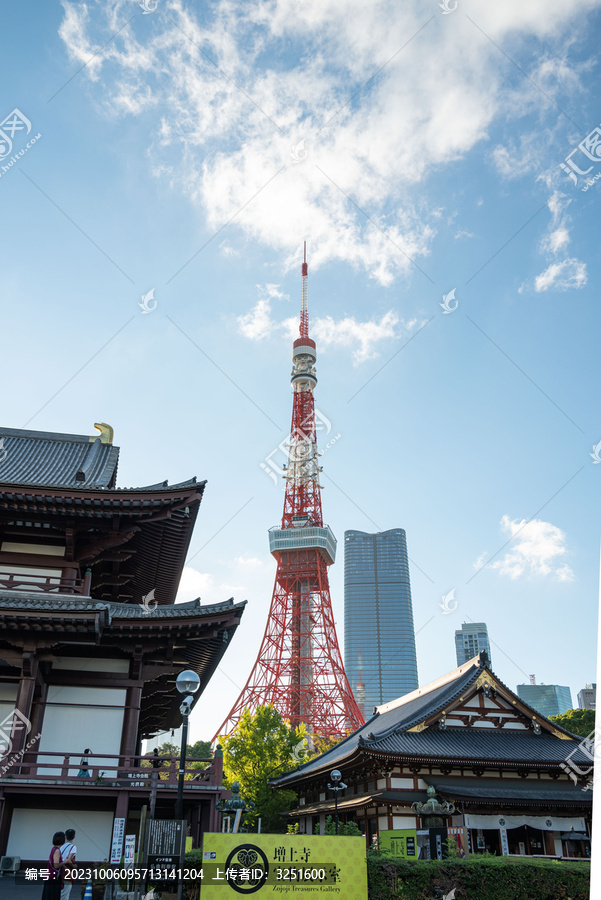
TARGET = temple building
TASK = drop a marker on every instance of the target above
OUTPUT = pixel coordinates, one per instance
(91, 643)
(461, 757)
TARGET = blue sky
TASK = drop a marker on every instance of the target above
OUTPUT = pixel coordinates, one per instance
(417, 152)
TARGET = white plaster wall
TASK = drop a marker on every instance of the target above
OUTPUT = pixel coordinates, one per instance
(383, 823)
(40, 549)
(32, 829)
(401, 822)
(80, 717)
(400, 783)
(29, 573)
(8, 696)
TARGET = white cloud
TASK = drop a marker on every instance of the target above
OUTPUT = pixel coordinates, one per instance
(362, 338)
(556, 240)
(251, 562)
(438, 91)
(194, 584)
(537, 548)
(228, 250)
(257, 324)
(562, 276)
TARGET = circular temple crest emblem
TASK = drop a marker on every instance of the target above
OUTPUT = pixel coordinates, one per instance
(501, 822)
(247, 869)
(548, 823)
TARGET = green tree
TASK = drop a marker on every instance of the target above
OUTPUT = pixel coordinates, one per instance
(201, 749)
(323, 744)
(262, 747)
(348, 829)
(578, 721)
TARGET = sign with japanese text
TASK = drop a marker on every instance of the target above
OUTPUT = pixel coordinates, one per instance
(117, 844)
(402, 842)
(276, 864)
(164, 842)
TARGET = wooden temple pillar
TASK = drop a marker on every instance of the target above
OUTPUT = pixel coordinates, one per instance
(24, 702)
(129, 735)
(5, 817)
(122, 806)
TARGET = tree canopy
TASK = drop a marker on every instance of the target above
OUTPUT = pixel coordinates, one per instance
(578, 721)
(261, 747)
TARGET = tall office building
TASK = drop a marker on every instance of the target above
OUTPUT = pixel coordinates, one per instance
(470, 640)
(587, 697)
(379, 637)
(547, 699)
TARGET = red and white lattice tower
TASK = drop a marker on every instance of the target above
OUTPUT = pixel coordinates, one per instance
(299, 669)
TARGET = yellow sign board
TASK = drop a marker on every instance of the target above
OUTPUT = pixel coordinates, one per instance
(402, 842)
(272, 865)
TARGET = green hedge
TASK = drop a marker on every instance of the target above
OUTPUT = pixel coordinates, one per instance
(476, 878)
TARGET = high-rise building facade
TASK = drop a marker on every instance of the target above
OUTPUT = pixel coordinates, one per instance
(471, 640)
(587, 697)
(379, 636)
(547, 699)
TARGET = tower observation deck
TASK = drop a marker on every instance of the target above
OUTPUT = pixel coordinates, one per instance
(299, 668)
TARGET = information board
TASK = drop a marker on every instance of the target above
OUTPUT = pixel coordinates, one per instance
(275, 864)
(402, 842)
(164, 842)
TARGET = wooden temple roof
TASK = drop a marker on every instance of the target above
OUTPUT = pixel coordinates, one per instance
(62, 487)
(415, 729)
(59, 491)
(170, 638)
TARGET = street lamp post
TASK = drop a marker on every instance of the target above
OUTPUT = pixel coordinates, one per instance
(337, 785)
(187, 683)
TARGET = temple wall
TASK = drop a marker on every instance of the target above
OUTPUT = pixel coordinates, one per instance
(32, 829)
(80, 717)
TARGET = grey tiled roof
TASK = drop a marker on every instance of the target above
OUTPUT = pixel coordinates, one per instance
(479, 744)
(52, 459)
(37, 602)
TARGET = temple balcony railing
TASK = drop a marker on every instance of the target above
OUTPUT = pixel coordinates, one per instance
(105, 770)
(48, 584)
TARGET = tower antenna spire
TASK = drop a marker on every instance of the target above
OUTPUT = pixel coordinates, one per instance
(304, 316)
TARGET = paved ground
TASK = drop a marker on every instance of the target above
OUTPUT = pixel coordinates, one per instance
(21, 890)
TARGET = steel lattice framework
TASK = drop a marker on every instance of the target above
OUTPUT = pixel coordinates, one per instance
(299, 669)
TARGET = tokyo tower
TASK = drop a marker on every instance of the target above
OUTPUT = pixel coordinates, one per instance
(299, 669)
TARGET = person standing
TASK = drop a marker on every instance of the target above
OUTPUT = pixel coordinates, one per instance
(53, 884)
(84, 771)
(156, 762)
(68, 852)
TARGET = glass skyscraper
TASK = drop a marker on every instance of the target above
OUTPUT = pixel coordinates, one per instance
(547, 699)
(470, 641)
(379, 636)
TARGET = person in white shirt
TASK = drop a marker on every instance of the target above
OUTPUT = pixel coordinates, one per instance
(68, 849)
